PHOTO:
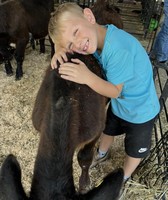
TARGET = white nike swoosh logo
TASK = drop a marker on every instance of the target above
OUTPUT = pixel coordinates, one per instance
(142, 150)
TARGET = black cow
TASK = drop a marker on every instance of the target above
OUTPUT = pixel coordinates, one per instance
(19, 19)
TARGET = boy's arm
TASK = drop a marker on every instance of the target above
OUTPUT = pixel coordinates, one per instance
(79, 73)
(103, 87)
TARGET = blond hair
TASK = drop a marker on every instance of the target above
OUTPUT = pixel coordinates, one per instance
(63, 13)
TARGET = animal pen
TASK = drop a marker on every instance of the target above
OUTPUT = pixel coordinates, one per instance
(150, 181)
(143, 21)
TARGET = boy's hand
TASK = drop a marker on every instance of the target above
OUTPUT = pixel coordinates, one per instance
(76, 71)
(60, 56)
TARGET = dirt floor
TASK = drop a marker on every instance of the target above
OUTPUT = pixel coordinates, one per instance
(18, 136)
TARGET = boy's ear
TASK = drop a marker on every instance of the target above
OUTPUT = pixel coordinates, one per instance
(89, 15)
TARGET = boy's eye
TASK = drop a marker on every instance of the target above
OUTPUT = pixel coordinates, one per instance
(75, 32)
(70, 46)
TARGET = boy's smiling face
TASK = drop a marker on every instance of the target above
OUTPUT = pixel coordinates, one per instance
(80, 33)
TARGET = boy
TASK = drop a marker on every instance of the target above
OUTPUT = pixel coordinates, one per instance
(134, 102)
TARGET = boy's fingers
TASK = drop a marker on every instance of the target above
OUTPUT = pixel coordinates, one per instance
(60, 60)
(76, 60)
(60, 57)
(53, 63)
(64, 57)
(53, 66)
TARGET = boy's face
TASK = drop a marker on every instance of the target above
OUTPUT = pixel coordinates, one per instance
(80, 34)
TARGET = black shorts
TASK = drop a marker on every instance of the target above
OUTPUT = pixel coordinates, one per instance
(137, 136)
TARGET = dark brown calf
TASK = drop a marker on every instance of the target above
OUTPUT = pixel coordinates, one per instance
(106, 13)
(68, 116)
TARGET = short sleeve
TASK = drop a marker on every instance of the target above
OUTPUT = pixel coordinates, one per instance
(119, 67)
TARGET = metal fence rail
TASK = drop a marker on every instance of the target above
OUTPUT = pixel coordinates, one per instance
(150, 8)
(82, 3)
(153, 170)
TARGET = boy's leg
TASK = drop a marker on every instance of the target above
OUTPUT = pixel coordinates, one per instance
(137, 144)
(112, 126)
(105, 142)
(130, 164)
(106, 139)
(102, 152)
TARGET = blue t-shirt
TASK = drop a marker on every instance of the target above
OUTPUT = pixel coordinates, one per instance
(125, 61)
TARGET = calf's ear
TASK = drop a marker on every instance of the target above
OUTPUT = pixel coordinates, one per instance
(109, 189)
(10, 180)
